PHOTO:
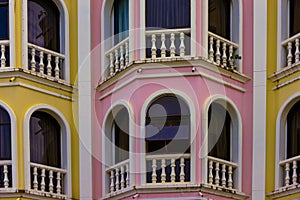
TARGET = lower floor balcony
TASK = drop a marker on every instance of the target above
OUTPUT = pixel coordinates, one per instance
(5, 175)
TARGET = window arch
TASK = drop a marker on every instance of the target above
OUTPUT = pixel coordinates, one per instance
(5, 135)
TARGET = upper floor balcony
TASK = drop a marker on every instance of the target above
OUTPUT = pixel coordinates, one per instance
(163, 38)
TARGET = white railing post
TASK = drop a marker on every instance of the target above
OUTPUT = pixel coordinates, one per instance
(122, 60)
(33, 63)
(41, 64)
(154, 175)
(3, 59)
(294, 172)
(182, 174)
(111, 66)
(163, 171)
(173, 175)
(35, 181)
(172, 47)
(58, 186)
(112, 181)
(163, 45)
(126, 54)
(127, 175)
(182, 46)
(230, 182)
(210, 173)
(51, 186)
(6, 181)
(153, 48)
(211, 48)
(56, 69)
(223, 175)
(224, 56)
(49, 67)
(117, 179)
(287, 176)
(218, 54)
(289, 55)
(122, 178)
(297, 52)
(43, 175)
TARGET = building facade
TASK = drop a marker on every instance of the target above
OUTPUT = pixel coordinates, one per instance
(39, 156)
(172, 110)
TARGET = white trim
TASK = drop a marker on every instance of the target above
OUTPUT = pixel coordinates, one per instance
(13, 122)
(106, 123)
(193, 126)
(142, 31)
(204, 28)
(64, 34)
(66, 144)
(281, 133)
(193, 28)
(236, 122)
(11, 33)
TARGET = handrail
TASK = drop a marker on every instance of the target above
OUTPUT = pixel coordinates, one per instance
(223, 39)
(47, 51)
(296, 158)
(4, 42)
(222, 161)
(5, 162)
(48, 167)
(167, 156)
(117, 165)
(111, 50)
(285, 42)
(184, 30)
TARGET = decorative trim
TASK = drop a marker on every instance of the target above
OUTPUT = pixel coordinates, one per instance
(279, 194)
(284, 72)
(286, 83)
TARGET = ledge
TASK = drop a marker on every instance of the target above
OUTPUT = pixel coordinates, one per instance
(285, 191)
(284, 72)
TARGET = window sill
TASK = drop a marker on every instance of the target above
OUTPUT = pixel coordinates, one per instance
(285, 191)
(285, 72)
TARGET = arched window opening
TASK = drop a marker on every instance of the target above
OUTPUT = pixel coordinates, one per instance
(44, 24)
(293, 132)
(168, 140)
(120, 20)
(294, 17)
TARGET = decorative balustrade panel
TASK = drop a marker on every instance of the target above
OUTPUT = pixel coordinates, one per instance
(46, 63)
(5, 174)
(221, 173)
(4, 53)
(167, 43)
(221, 51)
(118, 176)
(292, 50)
(291, 171)
(166, 169)
(48, 181)
(118, 58)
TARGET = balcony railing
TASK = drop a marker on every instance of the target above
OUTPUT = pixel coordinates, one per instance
(221, 50)
(46, 63)
(168, 43)
(291, 172)
(5, 174)
(4, 58)
(168, 169)
(47, 181)
(292, 50)
(118, 176)
(221, 173)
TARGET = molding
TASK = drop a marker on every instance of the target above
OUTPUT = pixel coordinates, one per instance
(65, 146)
(286, 83)
(284, 72)
(285, 192)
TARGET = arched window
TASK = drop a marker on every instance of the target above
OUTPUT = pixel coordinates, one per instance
(293, 132)
(219, 14)
(120, 20)
(4, 33)
(44, 24)
(168, 14)
(294, 17)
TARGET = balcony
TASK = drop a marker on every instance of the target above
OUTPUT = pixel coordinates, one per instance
(290, 173)
(5, 175)
(47, 181)
(292, 51)
(4, 58)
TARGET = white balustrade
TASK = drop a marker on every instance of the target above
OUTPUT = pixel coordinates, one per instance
(118, 58)
(118, 176)
(290, 171)
(42, 59)
(5, 166)
(220, 173)
(172, 168)
(292, 48)
(168, 43)
(221, 50)
(3, 60)
(47, 180)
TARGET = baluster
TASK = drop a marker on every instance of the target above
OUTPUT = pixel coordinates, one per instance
(122, 64)
(218, 54)
(217, 178)
(112, 181)
(126, 54)
(182, 47)
(290, 55)
(294, 172)
(230, 59)
(58, 186)
(122, 178)
(210, 173)
(211, 48)
(33, 63)
(3, 59)
(5, 172)
(163, 45)
(49, 67)
(172, 47)
(117, 179)
(163, 171)
(51, 181)
(223, 175)
(182, 174)
(297, 52)
(173, 175)
(127, 177)
(43, 180)
(111, 66)
(35, 181)
(41, 64)
(153, 48)
(56, 68)
(287, 171)
(224, 56)
(230, 182)
(117, 61)
(154, 175)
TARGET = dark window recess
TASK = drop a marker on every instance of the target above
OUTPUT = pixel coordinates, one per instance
(293, 131)
(5, 136)
(219, 17)
(45, 140)
(168, 14)
(121, 20)
(43, 24)
(4, 25)
(219, 132)
(294, 17)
